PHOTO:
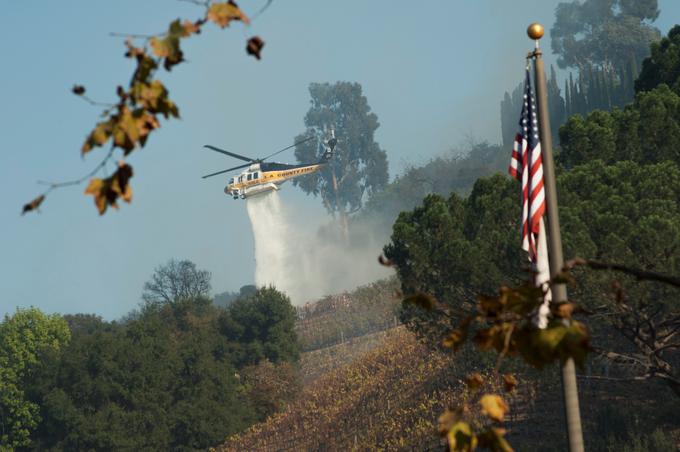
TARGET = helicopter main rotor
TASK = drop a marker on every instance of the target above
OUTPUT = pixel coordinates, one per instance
(247, 159)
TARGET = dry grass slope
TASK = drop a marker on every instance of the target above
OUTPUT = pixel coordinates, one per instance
(387, 399)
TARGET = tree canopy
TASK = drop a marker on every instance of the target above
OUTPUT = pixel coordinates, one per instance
(647, 131)
(359, 166)
(181, 374)
(264, 324)
(25, 337)
(619, 194)
(626, 212)
(663, 66)
(603, 33)
(174, 281)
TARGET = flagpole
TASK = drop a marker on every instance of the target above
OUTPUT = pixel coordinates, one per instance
(559, 291)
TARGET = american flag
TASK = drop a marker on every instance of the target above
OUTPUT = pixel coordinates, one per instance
(526, 166)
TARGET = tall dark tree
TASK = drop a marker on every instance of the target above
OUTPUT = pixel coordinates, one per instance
(647, 131)
(603, 33)
(174, 281)
(511, 106)
(663, 66)
(264, 323)
(359, 166)
(454, 248)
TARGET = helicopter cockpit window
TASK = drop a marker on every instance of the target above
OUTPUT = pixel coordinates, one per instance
(240, 178)
(231, 180)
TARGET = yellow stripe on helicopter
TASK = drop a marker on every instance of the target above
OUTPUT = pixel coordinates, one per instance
(261, 177)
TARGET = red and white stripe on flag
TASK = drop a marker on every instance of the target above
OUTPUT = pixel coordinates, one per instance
(526, 165)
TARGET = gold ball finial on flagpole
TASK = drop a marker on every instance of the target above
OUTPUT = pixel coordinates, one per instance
(535, 31)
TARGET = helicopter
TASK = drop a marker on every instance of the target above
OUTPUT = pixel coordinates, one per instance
(262, 177)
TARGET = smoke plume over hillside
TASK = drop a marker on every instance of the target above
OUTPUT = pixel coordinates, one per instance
(310, 260)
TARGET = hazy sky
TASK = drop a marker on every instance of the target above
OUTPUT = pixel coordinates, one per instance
(434, 73)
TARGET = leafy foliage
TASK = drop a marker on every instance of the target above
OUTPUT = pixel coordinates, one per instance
(604, 40)
(264, 324)
(610, 212)
(162, 381)
(593, 89)
(181, 374)
(663, 66)
(454, 248)
(358, 167)
(648, 131)
(127, 124)
(24, 338)
(624, 212)
(224, 299)
(603, 33)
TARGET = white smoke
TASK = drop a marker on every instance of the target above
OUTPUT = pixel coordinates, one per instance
(308, 260)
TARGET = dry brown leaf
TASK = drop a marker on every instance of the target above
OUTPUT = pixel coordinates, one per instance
(494, 406)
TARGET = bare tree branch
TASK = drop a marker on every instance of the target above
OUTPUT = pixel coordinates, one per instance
(617, 379)
(174, 281)
(639, 274)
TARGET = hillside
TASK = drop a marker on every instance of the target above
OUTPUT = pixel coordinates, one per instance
(316, 363)
(384, 389)
(368, 382)
(337, 318)
(388, 398)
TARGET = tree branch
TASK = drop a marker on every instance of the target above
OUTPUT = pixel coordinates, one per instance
(639, 274)
(54, 185)
(617, 379)
(620, 358)
(205, 3)
(666, 347)
(257, 14)
(136, 36)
